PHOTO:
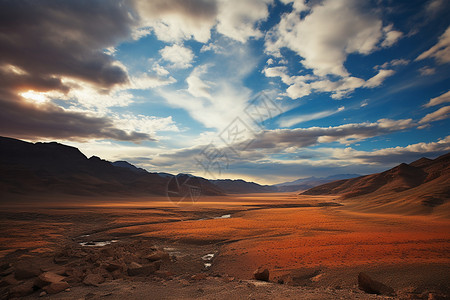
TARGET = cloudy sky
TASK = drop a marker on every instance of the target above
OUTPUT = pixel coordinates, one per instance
(262, 90)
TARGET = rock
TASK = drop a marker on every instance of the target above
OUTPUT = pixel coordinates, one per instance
(183, 282)
(136, 269)
(110, 267)
(368, 285)
(158, 255)
(25, 270)
(22, 290)
(7, 271)
(57, 269)
(261, 274)
(9, 280)
(48, 278)
(93, 279)
(56, 287)
(200, 276)
(5, 266)
(42, 294)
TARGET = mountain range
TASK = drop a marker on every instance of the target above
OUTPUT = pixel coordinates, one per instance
(53, 168)
(423, 185)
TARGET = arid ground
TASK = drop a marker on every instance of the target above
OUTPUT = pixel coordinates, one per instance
(313, 246)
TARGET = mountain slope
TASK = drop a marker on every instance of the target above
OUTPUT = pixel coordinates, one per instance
(52, 168)
(418, 187)
(310, 182)
(241, 187)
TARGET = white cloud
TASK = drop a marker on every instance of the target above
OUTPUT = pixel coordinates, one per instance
(300, 86)
(146, 124)
(440, 51)
(181, 57)
(237, 18)
(390, 36)
(378, 79)
(393, 63)
(444, 98)
(291, 121)
(440, 114)
(146, 81)
(425, 71)
(178, 20)
(328, 34)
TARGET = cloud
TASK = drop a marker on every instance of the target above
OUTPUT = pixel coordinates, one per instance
(440, 114)
(178, 20)
(27, 120)
(51, 51)
(394, 155)
(444, 98)
(181, 57)
(237, 18)
(304, 85)
(50, 40)
(425, 71)
(146, 81)
(288, 122)
(331, 31)
(440, 51)
(344, 134)
(393, 63)
(378, 79)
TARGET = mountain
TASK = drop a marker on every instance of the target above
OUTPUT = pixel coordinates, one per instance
(52, 168)
(127, 165)
(241, 187)
(421, 186)
(310, 182)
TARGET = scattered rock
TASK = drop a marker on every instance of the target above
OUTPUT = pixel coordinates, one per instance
(26, 270)
(22, 290)
(261, 274)
(184, 282)
(9, 280)
(198, 277)
(56, 287)
(48, 278)
(368, 285)
(158, 255)
(136, 269)
(93, 279)
(111, 267)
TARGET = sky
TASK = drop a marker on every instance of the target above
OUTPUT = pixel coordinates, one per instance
(261, 90)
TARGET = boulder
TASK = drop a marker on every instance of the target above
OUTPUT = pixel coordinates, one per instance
(111, 266)
(136, 269)
(22, 290)
(24, 270)
(8, 280)
(93, 279)
(368, 285)
(158, 255)
(261, 274)
(48, 278)
(56, 287)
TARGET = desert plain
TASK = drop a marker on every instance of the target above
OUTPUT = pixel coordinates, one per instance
(313, 246)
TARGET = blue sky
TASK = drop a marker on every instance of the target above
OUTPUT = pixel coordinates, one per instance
(267, 91)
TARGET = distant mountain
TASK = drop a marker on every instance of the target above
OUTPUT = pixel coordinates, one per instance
(241, 187)
(310, 182)
(53, 168)
(421, 185)
(127, 165)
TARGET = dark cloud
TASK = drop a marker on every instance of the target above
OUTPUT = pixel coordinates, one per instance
(26, 120)
(304, 137)
(51, 39)
(41, 42)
